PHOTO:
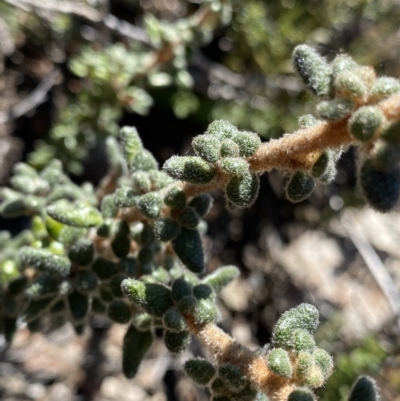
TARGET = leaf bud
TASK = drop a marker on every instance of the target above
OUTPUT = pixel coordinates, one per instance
(235, 165)
(381, 189)
(229, 148)
(199, 370)
(303, 341)
(141, 181)
(173, 320)
(365, 123)
(81, 252)
(131, 143)
(304, 363)
(159, 179)
(188, 247)
(248, 142)
(314, 71)
(108, 207)
(166, 229)
(189, 218)
(324, 361)
(143, 161)
(201, 204)
(299, 187)
(306, 121)
(79, 305)
(75, 215)
(142, 321)
(242, 191)
(207, 147)
(125, 197)
(135, 345)
(52, 172)
(321, 165)
(343, 62)
(221, 277)
(364, 389)
(315, 377)
(44, 260)
(383, 87)
(150, 205)
(205, 311)
(189, 168)
(104, 268)
(335, 109)
(119, 311)
(232, 377)
(203, 291)
(176, 342)
(86, 281)
(304, 316)
(222, 129)
(175, 198)
(278, 361)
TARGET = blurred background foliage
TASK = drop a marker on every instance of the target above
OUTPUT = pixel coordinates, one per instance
(170, 67)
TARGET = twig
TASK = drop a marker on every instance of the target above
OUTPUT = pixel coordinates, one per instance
(373, 262)
(37, 97)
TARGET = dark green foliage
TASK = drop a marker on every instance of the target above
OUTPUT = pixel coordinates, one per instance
(278, 361)
(16, 286)
(207, 147)
(79, 305)
(299, 187)
(203, 291)
(115, 285)
(301, 394)
(219, 279)
(173, 320)
(364, 390)
(81, 252)
(44, 260)
(43, 286)
(136, 344)
(150, 205)
(189, 218)
(187, 245)
(199, 370)
(304, 316)
(189, 168)
(154, 298)
(365, 123)
(242, 191)
(128, 266)
(322, 164)
(175, 198)
(386, 156)
(145, 255)
(335, 109)
(201, 204)
(119, 311)
(104, 268)
(176, 342)
(98, 306)
(166, 229)
(121, 246)
(313, 70)
(232, 377)
(180, 288)
(381, 189)
(10, 327)
(391, 133)
(36, 308)
(147, 236)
